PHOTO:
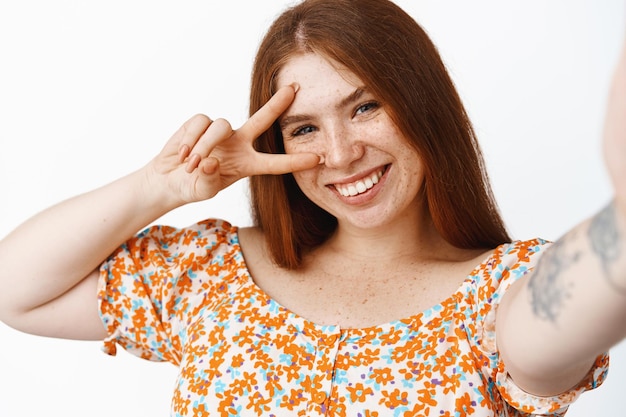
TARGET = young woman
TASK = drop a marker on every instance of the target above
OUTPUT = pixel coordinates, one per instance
(378, 277)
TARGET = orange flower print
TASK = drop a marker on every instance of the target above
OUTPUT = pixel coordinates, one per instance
(394, 399)
(359, 392)
(464, 405)
(382, 376)
(186, 296)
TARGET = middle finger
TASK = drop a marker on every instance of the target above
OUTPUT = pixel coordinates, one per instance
(217, 131)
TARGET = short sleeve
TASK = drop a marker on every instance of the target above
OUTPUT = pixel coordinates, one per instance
(151, 287)
(509, 263)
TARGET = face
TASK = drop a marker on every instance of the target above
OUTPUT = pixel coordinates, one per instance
(369, 175)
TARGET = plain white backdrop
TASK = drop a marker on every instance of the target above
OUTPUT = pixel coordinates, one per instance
(90, 91)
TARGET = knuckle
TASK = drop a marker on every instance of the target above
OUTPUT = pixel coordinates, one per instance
(222, 124)
(194, 127)
(201, 118)
(198, 121)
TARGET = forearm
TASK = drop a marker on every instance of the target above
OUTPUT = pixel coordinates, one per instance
(573, 305)
(57, 248)
(44, 259)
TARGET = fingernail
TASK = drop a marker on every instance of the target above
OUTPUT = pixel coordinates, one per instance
(183, 152)
(295, 87)
(321, 159)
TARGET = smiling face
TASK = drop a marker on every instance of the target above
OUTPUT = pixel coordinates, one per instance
(369, 176)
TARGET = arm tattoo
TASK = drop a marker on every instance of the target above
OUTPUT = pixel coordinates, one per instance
(606, 242)
(548, 287)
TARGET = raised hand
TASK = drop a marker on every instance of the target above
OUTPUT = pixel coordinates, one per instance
(204, 156)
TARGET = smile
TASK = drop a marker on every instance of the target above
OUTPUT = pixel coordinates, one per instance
(360, 186)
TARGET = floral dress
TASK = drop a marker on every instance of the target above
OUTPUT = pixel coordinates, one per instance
(186, 296)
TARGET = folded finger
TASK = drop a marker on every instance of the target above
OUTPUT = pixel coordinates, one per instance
(183, 140)
(217, 131)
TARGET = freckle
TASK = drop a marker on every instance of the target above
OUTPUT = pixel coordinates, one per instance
(364, 301)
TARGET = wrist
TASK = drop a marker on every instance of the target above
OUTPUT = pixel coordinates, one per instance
(151, 194)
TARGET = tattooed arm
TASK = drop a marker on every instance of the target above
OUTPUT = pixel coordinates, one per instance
(572, 307)
(552, 324)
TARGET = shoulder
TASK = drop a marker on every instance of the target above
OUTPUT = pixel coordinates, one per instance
(516, 257)
(170, 265)
(253, 245)
(502, 267)
(202, 234)
(251, 236)
(163, 250)
(490, 281)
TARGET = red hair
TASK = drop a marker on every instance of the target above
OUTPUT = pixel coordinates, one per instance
(393, 56)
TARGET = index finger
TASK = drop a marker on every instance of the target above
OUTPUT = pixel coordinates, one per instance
(260, 121)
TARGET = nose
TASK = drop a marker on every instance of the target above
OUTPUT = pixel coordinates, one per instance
(341, 148)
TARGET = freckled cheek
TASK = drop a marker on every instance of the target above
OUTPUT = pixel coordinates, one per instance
(306, 176)
(291, 147)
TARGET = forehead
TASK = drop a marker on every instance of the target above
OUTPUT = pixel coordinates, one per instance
(311, 70)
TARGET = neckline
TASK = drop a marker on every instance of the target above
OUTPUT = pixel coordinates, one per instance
(302, 322)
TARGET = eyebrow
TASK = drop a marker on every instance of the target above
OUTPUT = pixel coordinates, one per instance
(347, 100)
(351, 98)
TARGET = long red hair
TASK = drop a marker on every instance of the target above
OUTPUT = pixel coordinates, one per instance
(393, 56)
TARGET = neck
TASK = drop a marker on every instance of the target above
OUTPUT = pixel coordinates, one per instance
(412, 239)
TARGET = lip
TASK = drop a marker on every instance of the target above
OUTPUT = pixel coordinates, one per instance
(366, 196)
(359, 176)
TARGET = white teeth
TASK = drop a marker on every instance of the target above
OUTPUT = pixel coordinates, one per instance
(360, 186)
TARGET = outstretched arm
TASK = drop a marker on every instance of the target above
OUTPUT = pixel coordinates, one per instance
(572, 306)
(48, 265)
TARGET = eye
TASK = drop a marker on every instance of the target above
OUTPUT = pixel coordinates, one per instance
(302, 130)
(367, 107)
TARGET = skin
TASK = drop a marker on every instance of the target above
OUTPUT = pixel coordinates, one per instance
(572, 307)
(199, 160)
(548, 345)
(364, 275)
(334, 115)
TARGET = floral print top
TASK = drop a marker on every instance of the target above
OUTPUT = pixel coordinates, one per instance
(185, 296)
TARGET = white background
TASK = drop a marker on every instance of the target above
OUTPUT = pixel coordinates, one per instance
(90, 91)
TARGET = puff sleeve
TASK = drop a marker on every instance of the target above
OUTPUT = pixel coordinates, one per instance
(157, 282)
(510, 263)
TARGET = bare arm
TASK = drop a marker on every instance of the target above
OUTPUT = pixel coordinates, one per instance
(572, 307)
(553, 324)
(48, 265)
(48, 272)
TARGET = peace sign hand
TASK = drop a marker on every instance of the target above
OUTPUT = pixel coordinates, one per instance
(203, 157)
